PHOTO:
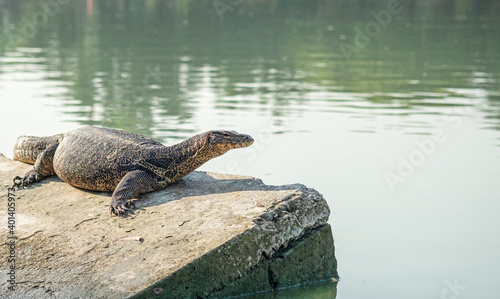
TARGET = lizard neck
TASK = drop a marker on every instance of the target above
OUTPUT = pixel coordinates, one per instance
(180, 159)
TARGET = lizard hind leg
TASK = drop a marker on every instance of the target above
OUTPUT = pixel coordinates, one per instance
(43, 166)
(132, 184)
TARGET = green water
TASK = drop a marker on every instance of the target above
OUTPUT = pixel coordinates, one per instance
(390, 109)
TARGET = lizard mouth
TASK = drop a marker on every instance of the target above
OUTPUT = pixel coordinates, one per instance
(245, 141)
(228, 139)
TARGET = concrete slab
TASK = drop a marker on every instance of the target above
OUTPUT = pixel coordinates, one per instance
(209, 235)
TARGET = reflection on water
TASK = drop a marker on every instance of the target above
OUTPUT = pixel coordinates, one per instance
(170, 69)
(150, 66)
(317, 291)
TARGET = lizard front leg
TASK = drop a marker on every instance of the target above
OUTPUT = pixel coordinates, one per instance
(132, 184)
(43, 166)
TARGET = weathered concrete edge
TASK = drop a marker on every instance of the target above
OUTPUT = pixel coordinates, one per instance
(294, 217)
(308, 260)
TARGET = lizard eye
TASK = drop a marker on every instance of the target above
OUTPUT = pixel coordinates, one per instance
(229, 133)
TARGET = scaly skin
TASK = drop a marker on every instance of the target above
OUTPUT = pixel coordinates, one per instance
(129, 164)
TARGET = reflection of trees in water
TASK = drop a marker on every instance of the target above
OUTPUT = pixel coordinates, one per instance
(279, 47)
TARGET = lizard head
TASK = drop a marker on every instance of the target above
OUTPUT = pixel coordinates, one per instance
(222, 141)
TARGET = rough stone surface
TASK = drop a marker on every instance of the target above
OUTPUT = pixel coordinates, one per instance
(209, 235)
(310, 259)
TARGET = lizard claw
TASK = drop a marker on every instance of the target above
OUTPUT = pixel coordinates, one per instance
(31, 177)
(121, 209)
(130, 203)
(17, 182)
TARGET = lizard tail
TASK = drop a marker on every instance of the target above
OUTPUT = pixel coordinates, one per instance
(28, 148)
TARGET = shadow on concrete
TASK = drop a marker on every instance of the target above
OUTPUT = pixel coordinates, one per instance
(197, 183)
